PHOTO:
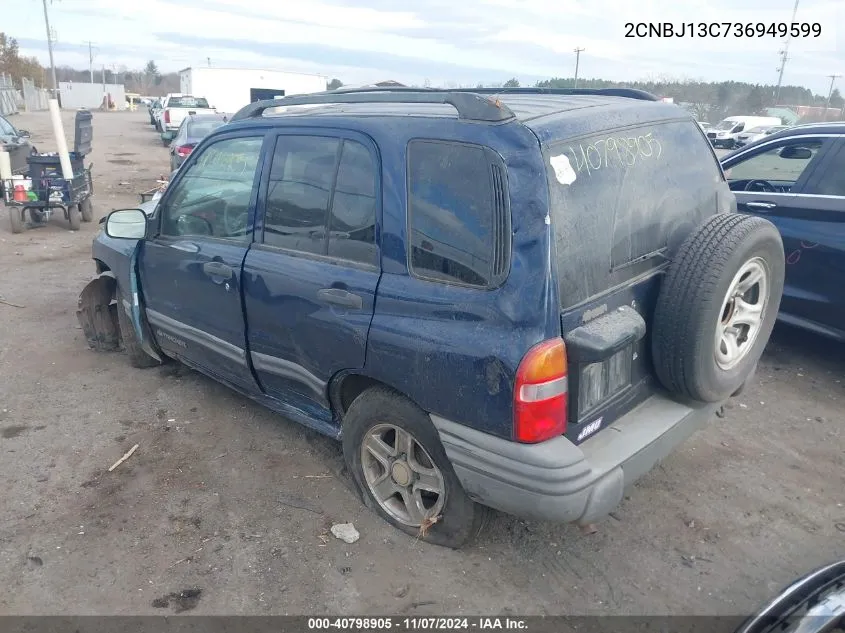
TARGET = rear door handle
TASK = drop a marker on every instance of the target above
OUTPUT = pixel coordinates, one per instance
(340, 297)
(217, 269)
(188, 247)
(761, 206)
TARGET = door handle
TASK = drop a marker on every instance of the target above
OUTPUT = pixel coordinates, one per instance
(217, 269)
(341, 297)
(188, 247)
(762, 206)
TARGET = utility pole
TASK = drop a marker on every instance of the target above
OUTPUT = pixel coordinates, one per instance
(577, 61)
(91, 60)
(829, 94)
(50, 50)
(208, 59)
(784, 55)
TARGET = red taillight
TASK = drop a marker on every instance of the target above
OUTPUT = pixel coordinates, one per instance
(184, 150)
(540, 393)
(167, 116)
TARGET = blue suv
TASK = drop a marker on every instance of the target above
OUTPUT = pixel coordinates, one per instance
(520, 300)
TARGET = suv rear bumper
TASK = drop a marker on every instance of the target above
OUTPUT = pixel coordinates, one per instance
(558, 481)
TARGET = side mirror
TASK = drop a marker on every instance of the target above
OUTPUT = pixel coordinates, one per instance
(801, 153)
(127, 224)
(168, 136)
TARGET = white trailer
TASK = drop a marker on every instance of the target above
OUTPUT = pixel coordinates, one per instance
(230, 89)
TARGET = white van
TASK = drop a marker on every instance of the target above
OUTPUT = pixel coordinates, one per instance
(725, 134)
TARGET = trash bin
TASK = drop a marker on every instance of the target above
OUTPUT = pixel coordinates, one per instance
(83, 133)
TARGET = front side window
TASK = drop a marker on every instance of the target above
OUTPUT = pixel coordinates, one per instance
(212, 198)
(779, 166)
(454, 222)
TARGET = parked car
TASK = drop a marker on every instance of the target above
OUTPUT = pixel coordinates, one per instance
(494, 298)
(193, 129)
(796, 179)
(726, 133)
(704, 125)
(814, 603)
(153, 109)
(17, 143)
(176, 107)
(756, 133)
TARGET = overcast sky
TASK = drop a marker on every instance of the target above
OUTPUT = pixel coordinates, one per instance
(462, 42)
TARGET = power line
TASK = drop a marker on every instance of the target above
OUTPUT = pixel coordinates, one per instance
(829, 94)
(577, 61)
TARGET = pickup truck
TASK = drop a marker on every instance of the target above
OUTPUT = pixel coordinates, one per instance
(176, 107)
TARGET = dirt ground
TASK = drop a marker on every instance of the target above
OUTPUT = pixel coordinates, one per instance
(231, 502)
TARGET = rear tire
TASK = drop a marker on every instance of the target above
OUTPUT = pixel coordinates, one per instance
(16, 219)
(87, 210)
(74, 217)
(137, 356)
(379, 408)
(717, 307)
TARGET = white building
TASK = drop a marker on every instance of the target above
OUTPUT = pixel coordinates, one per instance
(230, 89)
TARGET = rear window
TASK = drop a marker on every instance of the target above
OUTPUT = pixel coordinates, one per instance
(201, 129)
(187, 102)
(621, 198)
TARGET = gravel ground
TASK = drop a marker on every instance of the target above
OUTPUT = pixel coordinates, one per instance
(234, 503)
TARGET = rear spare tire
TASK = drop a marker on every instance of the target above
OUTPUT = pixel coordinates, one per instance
(717, 306)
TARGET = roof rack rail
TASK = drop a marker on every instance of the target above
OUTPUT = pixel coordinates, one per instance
(469, 104)
(630, 93)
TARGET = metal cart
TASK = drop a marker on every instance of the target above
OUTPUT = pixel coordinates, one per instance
(48, 194)
(49, 190)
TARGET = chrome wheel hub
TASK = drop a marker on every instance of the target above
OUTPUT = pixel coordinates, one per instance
(401, 475)
(741, 317)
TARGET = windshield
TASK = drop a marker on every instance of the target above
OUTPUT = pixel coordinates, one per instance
(201, 129)
(187, 102)
(726, 125)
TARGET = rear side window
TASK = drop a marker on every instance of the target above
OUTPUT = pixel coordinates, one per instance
(459, 220)
(352, 222)
(322, 198)
(301, 177)
(620, 198)
(832, 181)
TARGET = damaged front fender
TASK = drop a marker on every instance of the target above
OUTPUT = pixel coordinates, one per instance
(97, 314)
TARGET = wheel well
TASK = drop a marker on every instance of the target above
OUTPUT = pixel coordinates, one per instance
(101, 267)
(345, 389)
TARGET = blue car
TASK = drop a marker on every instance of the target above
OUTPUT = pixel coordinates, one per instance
(519, 300)
(796, 179)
